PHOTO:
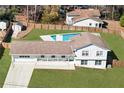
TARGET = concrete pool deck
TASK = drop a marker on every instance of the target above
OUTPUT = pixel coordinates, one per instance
(59, 37)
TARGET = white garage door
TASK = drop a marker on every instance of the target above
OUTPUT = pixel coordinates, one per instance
(25, 60)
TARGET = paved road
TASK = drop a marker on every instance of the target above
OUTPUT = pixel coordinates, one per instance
(19, 75)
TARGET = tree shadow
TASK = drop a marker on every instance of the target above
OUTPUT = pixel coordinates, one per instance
(1, 50)
(8, 38)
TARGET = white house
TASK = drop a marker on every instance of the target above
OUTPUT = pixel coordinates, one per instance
(3, 25)
(17, 26)
(84, 50)
(84, 17)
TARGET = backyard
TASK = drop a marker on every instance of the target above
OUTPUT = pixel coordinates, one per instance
(4, 66)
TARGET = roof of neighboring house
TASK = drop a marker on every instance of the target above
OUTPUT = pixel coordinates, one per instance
(18, 23)
(86, 39)
(85, 12)
(80, 14)
(40, 47)
(82, 19)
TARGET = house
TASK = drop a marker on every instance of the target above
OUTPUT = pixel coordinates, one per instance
(84, 50)
(84, 17)
(17, 27)
(3, 25)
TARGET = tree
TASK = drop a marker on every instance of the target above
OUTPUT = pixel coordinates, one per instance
(50, 14)
(8, 14)
(122, 21)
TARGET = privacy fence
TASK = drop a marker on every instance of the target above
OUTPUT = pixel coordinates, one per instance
(75, 28)
(118, 63)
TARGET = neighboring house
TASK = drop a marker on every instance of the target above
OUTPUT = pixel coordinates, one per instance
(84, 17)
(84, 50)
(3, 25)
(16, 27)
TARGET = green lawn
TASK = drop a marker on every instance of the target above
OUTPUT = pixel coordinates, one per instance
(4, 66)
(116, 43)
(36, 33)
(81, 77)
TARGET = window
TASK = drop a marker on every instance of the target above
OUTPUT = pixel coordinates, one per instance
(24, 56)
(83, 62)
(98, 62)
(42, 56)
(52, 56)
(85, 53)
(96, 24)
(63, 56)
(90, 24)
(99, 53)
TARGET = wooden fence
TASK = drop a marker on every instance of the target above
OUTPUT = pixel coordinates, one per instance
(76, 28)
(118, 63)
(63, 27)
(6, 45)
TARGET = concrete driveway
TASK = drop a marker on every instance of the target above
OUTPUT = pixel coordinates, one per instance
(19, 75)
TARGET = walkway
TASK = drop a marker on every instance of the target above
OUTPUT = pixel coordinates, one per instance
(19, 75)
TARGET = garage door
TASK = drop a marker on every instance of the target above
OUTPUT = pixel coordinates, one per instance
(25, 60)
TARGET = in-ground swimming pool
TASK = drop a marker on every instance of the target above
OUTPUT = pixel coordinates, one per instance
(66, 37)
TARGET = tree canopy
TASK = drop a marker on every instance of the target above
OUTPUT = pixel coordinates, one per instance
(50, 14)
(122, 21)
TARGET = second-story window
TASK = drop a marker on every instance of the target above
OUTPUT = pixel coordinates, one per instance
(85, 53)
(99, 53)
(90, 24)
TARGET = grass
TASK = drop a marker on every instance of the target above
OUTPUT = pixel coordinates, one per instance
(116, 43)
(80, 78)
(36, 33)
(4, 66)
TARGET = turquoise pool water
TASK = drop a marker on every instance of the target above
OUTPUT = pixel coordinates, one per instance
(66, 37)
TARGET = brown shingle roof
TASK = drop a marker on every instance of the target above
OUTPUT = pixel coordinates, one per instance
(85, 13)
(56, 47)
(87, 38)
(40, 47)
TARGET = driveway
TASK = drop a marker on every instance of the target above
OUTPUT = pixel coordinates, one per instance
(19, 75)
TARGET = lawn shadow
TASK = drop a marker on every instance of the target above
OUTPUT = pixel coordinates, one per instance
(1, 50)
(8, 38)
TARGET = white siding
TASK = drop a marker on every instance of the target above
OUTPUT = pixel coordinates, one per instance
(91, 57)
(86, 23)
(69, 19)
(91, 64)
(92, 53)
(3, 25)
(16, 27)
